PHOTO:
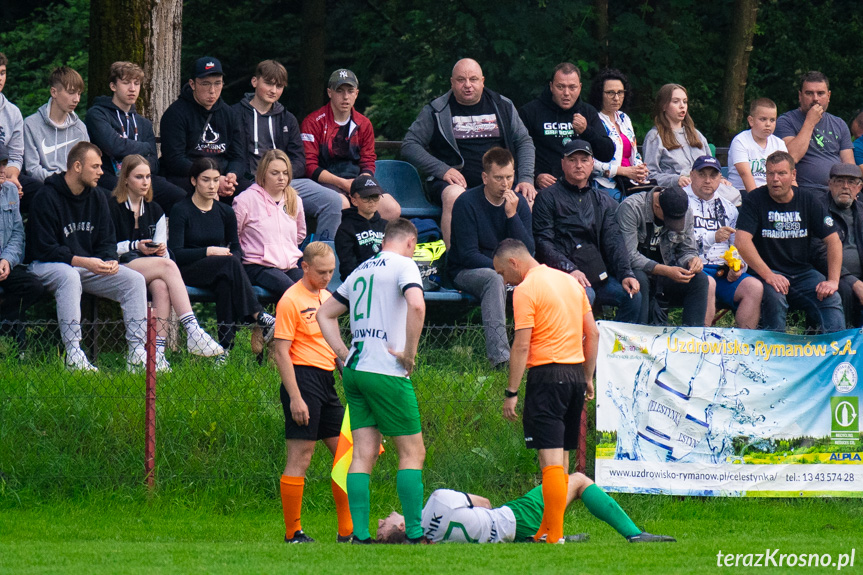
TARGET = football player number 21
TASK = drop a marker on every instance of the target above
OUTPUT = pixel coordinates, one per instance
(361, 282)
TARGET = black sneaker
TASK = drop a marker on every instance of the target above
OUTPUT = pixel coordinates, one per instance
(299, 537)
(355, 541)
(576, 538)
(421, 540)
(345, 538)
(645, 537)
(267, 323)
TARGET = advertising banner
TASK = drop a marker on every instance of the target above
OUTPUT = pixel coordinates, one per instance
(728, 412)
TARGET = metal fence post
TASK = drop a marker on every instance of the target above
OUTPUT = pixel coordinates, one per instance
(150, 409)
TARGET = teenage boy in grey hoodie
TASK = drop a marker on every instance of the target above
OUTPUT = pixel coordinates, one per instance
(115, 126)
(51, 132)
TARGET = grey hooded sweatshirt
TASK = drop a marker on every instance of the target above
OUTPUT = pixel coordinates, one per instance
(46, 145)
(12, 132)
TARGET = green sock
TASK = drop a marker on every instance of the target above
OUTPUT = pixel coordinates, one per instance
(602, 506)
(358, 501)
(409, 484)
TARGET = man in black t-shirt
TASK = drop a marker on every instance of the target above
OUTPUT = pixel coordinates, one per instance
(451, 134)
(774, 228)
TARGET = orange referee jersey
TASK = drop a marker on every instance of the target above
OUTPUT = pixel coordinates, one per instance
(553, 303)
(296, 321)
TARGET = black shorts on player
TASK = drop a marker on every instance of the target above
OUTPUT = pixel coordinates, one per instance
(317, 386)
(553, 401)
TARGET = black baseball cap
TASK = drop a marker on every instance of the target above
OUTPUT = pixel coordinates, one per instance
(365, 186)
(207, 66)
(674, 204)
(342, 76)
(574, 146)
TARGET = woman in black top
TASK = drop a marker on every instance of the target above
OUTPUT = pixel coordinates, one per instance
(203, 237)
(141, 233)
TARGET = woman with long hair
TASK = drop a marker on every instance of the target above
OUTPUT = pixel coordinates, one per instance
(673, 144)
(610, 93)
(141, 245)
(271, 225)
(203, 237)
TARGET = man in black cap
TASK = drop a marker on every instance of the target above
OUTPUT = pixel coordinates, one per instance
(200, 123)
(361, 232)
(657, 229)
(774, 231)
(18, 288)
(575, 230)
(340, 142)
(845, 183)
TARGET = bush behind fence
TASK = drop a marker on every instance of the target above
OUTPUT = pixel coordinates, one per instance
(63, 432)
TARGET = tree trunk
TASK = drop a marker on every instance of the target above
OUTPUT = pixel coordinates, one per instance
(146, 32)
(312, 72)
(737, 68)
(601, 7)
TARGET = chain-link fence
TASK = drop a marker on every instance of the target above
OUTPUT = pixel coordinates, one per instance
(223, 423)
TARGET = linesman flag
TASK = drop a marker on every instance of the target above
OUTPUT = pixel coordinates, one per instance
(344, 453)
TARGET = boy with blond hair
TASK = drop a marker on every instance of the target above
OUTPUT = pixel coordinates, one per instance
(749, 149)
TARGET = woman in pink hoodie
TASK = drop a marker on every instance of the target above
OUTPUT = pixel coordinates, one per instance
(271, 225)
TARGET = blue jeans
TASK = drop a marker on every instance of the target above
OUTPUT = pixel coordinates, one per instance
(611, 292)
(801, 294)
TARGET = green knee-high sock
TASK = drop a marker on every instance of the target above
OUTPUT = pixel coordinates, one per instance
(602, 506)
(409, 484)
(358, 502)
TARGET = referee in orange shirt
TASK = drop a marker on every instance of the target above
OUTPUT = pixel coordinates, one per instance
(552, 317)
(312, 408)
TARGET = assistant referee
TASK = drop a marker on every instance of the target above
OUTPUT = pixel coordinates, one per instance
(552, 316)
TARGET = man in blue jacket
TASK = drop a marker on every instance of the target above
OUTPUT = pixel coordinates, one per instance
(115, 126)
(199, 123)
(449, 137)
(18, 289)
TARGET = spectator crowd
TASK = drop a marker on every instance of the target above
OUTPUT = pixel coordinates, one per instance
(93, 207)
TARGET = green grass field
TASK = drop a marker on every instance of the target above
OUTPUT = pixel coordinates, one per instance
(113, 533)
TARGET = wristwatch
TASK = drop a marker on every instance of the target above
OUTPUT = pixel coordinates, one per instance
(507, 393)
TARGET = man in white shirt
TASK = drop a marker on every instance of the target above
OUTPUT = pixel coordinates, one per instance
(458, 517)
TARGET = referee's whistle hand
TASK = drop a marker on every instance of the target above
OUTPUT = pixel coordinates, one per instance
(300, 412)
(509, 405)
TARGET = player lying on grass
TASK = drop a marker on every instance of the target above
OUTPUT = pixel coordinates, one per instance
(454, 516)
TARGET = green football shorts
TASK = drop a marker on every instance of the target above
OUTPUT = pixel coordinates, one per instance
(528, 513)
(387, 402)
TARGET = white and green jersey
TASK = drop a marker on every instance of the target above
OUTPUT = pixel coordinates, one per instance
(374, 293)
(450, 516)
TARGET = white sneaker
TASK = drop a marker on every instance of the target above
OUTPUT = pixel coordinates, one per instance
(76, 360)
(221, 360)
(136, 360)
(162, 365)
(200, 343)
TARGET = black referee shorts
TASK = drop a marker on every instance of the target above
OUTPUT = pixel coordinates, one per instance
(553, 401)
(318, 389)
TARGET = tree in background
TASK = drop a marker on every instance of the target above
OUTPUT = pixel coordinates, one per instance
(403, 50)
(150, 35)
